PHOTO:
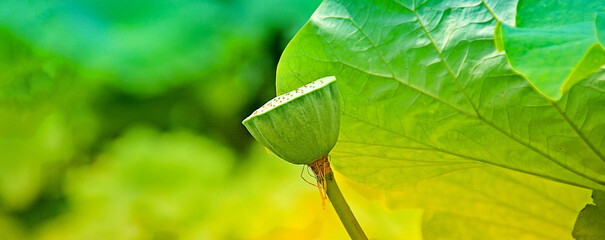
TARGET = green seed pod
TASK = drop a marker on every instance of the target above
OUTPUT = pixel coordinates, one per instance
(302, 125)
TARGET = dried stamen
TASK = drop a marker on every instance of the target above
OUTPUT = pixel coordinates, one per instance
(321, 167)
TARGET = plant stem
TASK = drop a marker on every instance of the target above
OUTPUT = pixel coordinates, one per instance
(342, 208)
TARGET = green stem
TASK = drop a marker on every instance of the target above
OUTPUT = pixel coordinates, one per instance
(342, 209)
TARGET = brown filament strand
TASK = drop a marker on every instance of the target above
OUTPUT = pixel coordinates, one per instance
(321, 167)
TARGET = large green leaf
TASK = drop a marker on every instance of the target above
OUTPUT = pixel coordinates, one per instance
(426, 96)
(554, 43)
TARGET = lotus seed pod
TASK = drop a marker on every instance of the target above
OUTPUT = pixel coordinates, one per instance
(299, 126)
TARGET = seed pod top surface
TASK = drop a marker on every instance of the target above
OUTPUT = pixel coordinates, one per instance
(299, 126)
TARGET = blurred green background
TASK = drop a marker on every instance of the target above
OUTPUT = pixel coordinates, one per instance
(122, 120)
